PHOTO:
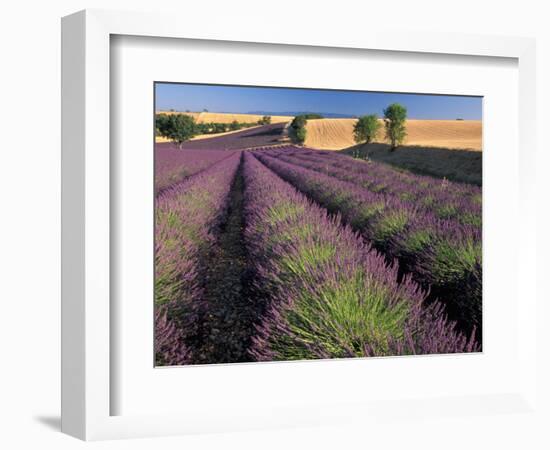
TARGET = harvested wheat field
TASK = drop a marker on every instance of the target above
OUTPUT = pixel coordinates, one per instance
(337, 134)
(195, 115)
(212, 117)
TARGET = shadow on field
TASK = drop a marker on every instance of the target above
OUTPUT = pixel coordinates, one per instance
(456, 165)
(265, 135)
(265, 132)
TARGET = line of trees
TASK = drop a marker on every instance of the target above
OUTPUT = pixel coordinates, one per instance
(182, 127)
(297, 129)
(367, 127)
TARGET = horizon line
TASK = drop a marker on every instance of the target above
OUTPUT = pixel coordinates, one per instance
(343, 116)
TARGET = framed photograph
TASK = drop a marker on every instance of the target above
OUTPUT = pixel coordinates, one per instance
(284, 235)
(262, 232)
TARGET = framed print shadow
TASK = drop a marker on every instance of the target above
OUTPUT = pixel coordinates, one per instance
(257, 248)
(296, 224)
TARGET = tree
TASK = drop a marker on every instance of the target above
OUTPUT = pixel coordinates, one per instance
(298, 122)
(300, 135)
(176, 127)
(366, 128)
(203, 128)
(234, 125)
(219, 127)
(308, 116)
(161, 123)
(395, 116)
(297, 130)
(265, 120)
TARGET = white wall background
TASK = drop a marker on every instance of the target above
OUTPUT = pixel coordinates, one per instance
(30, 192)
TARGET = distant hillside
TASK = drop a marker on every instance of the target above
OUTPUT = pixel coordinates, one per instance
(297, 113)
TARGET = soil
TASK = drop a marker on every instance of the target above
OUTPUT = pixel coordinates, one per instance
(230, 308)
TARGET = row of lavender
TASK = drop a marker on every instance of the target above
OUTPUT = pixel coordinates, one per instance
(326, 293)
(329, 294)
(444, 199)
(173, 165)
(441, 255)
(186, 215)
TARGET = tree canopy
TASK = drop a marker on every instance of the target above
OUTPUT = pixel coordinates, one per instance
(176, 127)
(395, 116)
(265, 120)
(366, 128)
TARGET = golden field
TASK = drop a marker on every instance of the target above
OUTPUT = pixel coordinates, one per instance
(440, 148)
(337, 134)
(209, 117)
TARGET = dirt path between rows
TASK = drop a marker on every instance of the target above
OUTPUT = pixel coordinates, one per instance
(230, 309)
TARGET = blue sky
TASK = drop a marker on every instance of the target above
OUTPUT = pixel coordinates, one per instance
(240, 99)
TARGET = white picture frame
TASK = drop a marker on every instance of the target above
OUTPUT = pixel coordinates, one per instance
(87, 386)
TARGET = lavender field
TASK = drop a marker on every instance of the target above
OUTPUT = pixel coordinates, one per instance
(172, 165)
(255, 137)
(271, 252)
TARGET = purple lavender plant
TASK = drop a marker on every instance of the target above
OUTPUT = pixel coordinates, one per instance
(440, 254)
(186, 216)
(173, 165)
(444, 199)
(170, 347)
(328, 294)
